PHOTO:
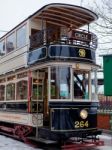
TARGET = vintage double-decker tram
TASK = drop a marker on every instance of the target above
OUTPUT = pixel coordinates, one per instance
(48, 85)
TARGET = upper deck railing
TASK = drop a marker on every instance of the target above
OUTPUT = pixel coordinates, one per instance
(54, 36)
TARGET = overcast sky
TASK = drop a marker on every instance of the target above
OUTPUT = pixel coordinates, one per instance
(12, 12)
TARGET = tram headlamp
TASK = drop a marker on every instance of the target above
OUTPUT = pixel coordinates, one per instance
(83, 114)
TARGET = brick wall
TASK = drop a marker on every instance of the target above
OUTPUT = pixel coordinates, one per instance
(103, 121)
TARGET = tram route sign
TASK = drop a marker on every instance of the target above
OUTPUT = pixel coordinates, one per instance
(107, 65)
(82, 36)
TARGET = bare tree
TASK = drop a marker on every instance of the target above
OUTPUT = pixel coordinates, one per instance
(104, 24)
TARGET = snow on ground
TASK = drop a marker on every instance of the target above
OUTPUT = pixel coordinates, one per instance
(11, 144)
(7, 143)
(105, 136)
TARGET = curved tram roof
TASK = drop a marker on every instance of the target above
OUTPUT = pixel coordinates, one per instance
(65, 14)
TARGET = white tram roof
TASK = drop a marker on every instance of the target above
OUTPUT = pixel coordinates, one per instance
(63, 15)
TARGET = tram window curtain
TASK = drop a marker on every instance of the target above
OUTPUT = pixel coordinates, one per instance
(21, 90)
(10, 91)
(60, 82)
(81, 84)
(93, 85)
(2, 92)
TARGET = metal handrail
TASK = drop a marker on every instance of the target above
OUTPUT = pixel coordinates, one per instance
(54, 36)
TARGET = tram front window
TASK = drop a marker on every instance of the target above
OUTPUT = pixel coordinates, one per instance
(81, 84)
(94, 85)
(60, 82)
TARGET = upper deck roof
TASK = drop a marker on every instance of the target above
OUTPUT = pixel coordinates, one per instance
(65, 14)
(62, 15)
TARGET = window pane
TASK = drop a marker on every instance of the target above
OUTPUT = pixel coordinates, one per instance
(94, 85)
(37, 91)
(10, 45)
(21, 90)
(10, 91)
(2, 47)
(60, 83)
(36, 55)
(81, 84)
(21, 37)
(2, 92)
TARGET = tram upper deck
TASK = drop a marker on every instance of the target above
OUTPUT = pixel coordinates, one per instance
(51, 33)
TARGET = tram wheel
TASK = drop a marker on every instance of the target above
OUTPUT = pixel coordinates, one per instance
(22, 131)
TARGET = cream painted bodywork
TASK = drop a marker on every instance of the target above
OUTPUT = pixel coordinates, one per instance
(22, 118)
(15, 60)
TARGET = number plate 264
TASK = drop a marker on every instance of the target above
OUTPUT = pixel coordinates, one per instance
(81, 124)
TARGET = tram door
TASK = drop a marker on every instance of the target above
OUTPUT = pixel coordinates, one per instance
(40, 94)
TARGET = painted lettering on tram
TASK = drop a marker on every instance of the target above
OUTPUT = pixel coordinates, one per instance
(81, 36)
(81, 124)
(82, 52)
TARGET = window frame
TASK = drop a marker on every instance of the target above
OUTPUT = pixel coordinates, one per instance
(89, 80)
(12, 33)
(20, 80)
(23, 25)
(4, 92)
(95, 85)
(14, 91)
(4, 44)
(49, 78)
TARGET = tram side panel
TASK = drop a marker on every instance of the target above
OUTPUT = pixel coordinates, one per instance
(73, 117)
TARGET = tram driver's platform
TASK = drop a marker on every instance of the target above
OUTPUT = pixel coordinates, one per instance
(104, 144)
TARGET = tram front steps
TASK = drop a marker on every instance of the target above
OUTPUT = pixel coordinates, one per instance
(46, 133)
(47, 137)
(41, 140)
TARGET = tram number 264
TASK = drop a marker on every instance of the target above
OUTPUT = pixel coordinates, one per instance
(81, 124)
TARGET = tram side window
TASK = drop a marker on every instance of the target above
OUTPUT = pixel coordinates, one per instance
(2, 92)
(37, 91)
(60, 83)
(21, 37)
(10, 91)
(2, 48)
(11, 42)
(21, 90)
(81, 84)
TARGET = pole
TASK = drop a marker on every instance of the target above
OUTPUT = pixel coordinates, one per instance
(37, 107)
